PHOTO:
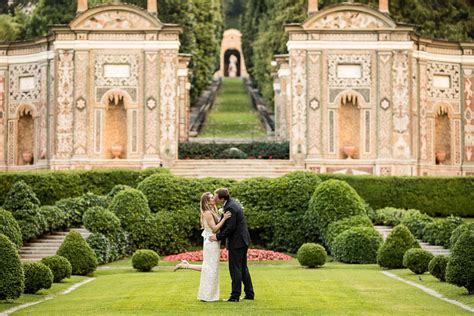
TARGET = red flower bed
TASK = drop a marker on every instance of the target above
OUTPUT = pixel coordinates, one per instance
(252, 255)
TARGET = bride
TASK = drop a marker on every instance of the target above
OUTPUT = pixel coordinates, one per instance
(211, 222)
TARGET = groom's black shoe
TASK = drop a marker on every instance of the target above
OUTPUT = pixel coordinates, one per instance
(232, 299)
(250, 298)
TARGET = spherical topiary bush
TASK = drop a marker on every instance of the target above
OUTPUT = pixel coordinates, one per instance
(437, 267)
(297, 188)
(20, 197)
(357, 245)
(130, 206)
(116, 189)
(166, 192)
(37, 276)
(446, 228)
(390, 255)
(101, 246)
(100, 220)
(334, 200)
(417, 260)
(311, 255)
(12, 278)
(232, 153)
(59, 266)
(460, 268)
(337, 227)
(76, 250)
(416, 222)
(144, 260)
(31, 222)
(56, 219)
(458, 232)
(388, 216)
(9, 227)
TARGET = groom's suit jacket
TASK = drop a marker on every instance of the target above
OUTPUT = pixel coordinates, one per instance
(235, 228)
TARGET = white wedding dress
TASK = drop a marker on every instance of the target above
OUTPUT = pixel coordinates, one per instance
(209, 286)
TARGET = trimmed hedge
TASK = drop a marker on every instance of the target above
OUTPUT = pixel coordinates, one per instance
(337, 227)
(100, 220)
(37, 276)
(435, 196)
(437, 267)
(390, 255)
(76, 250)
(439, 231)
(52, 186)
(20, 197)
(357, 245)
(145, 260)
(12, 277)
(130, 206)
(461, 229)
(311, 255)
(460, 268)
(55, 217)
(416, 222)
(9, 227)
(417, 260)
(101, 246)
(255, 150)
(389, 216)
(59, 266)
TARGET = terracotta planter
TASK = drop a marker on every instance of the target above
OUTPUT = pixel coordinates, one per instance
(27, 157)
(349, 151)
(116, 150)
(440, 156)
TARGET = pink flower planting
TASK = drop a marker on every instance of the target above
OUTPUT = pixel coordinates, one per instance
(252, 255)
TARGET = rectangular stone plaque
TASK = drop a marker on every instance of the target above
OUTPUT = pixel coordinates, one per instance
(117, 71)
(349, 71)
(27, 83)
(442, 81)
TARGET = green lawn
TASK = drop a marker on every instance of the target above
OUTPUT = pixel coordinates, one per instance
(233, 115)
(281, 289)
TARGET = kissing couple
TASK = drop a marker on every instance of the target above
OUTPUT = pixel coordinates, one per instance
(230, 226)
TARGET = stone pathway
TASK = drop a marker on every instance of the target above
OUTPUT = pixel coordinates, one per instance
(46, 245)
(435, 250)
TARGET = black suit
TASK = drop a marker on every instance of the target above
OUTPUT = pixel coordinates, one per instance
(237, 238)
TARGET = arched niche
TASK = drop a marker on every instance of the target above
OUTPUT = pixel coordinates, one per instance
(232, 63)
(443, 142)
(25, 139)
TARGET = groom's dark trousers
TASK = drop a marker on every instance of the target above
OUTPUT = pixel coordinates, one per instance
(238, 239)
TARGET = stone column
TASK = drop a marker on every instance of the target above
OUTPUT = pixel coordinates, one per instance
(298, 105)
(314, 105)
(312, 7)
(81, 104)
(3, 117)
(468, 76)
(384, 106)
(384, 6)
(152, 107)
(184, 102)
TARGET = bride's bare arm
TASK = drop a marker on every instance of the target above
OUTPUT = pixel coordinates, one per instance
(210, 221)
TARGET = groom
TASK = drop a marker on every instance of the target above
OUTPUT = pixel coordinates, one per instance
(238, 239)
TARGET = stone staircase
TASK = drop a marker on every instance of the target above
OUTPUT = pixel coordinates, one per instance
(47, 245)
(435, 250)
(233, 168)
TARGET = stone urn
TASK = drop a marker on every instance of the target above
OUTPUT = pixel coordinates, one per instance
(27, 157)
(116, 150)
(349, 151)
(440, 157)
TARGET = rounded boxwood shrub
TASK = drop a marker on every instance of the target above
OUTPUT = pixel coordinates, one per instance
(101, 246)
(389, 216)
(56, 219)
(334, 200)
(116, 189)
(357, 245)
(31, 222)
(130, 206)
(20, 197)
(461, 229)
(460, 268)
(417, 260)
(100, 220)
(390, 255)
(232, 153)
(144, 260)
(437, 267)
(439, 232)
(12, 278)
(37, 276)
(9, 227)
(416, 222)
(59, 266)
(76, 250)
(337, 227)
(311, 255)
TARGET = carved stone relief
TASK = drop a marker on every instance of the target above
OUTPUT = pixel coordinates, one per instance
(81, 111)
(348, 20)
(385, 129)
(469, 114)
(401, 118)
(25, 96)
(2, 117)
(314, 95)
(113, 20)
(363, 60)
(152, 95)
(451, 70)
(299, 83)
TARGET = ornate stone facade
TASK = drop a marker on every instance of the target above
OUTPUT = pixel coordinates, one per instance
(108, 79)
(369, 83)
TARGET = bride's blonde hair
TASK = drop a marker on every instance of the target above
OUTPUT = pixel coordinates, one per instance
(207, 206)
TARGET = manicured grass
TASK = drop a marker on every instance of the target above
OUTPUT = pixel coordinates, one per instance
(28, 298)
(281, 289)
(446, 289)
(233, 115)
(468, 219)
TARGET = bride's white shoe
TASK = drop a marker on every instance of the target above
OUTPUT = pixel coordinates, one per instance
(184, 264)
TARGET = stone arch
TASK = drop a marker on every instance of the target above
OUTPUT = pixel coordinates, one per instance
(117, 104)
(26, 116)
(349, 123)
(227, 61)
(443, 123)
(232, 44)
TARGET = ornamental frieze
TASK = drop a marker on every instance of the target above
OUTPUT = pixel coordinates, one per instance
(113, 20)
(131, 79)
(451, 91)
(348, 20)
(24, 85)
(364, 61)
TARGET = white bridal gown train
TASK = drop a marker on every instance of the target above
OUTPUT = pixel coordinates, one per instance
(209, 286)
